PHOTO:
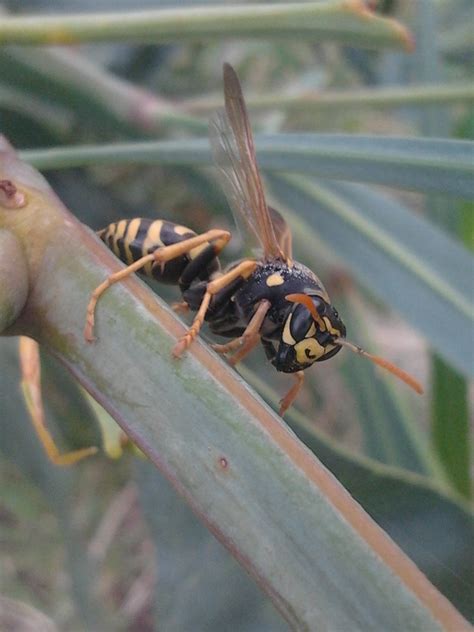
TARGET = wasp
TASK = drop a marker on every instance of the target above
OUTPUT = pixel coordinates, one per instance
(269, 299)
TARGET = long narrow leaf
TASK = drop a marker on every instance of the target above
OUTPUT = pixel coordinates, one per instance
(337, 20)
(319, 100)
(262, 492)
(435, 528)
(449, 406)
(418, 164)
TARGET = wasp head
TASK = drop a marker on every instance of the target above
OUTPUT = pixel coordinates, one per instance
(309, 333)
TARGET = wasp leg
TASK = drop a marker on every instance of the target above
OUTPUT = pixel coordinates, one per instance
(243, 269)
(180, 308)
(160, 255)
(31, 387)
(200, 261)
(290, 397)
(249, 339)
(248, 345)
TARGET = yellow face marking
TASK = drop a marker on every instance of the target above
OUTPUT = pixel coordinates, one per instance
(308, 350)
(275, 279)
(311, 331)
(334, 332)
(286, 335)
(131, 234)
(182, 230)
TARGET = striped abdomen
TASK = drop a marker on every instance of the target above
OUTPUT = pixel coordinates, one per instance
(131, 239)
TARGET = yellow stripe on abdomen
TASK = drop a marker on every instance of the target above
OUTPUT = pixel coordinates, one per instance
(132, 231)
(151, 242)
(118, 232)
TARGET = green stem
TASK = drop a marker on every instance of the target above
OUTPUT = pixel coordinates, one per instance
(338, 20)
(13, 279)
(420, 95)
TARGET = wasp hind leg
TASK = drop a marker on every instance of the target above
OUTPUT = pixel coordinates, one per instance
(180, 307)
(31, 388)
(242, 270)
(160, 255)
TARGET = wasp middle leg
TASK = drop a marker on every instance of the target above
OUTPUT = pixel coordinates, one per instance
(241, 271)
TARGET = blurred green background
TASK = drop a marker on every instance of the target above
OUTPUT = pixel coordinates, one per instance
(107, 544)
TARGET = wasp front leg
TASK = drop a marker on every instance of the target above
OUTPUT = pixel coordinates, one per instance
(249, 339)
(290, 397)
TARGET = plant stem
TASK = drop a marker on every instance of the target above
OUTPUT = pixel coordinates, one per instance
(339, 20)
(420, 95)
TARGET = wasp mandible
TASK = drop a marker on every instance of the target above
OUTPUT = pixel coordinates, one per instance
(272, 299)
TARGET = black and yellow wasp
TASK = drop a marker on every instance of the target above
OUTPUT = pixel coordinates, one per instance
(271, 299)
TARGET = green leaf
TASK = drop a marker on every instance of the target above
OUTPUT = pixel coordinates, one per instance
(409, 263)
(20, 445)
(13, 279)
(431, 525)
(390, 434)
(450, 414)
(419, 164)
(337, 20)
(196, 570)
(335, 100)
(451, 424)
(259, 490)
(64, 81)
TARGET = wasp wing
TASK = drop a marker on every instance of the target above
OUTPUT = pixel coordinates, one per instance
(232, 180)
(282, 232)
(234, 154)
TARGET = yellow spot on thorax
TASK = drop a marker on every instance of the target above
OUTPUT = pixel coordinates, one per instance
(275, 279)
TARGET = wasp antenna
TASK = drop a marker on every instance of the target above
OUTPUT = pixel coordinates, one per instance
(305, 300)
(385, 364)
